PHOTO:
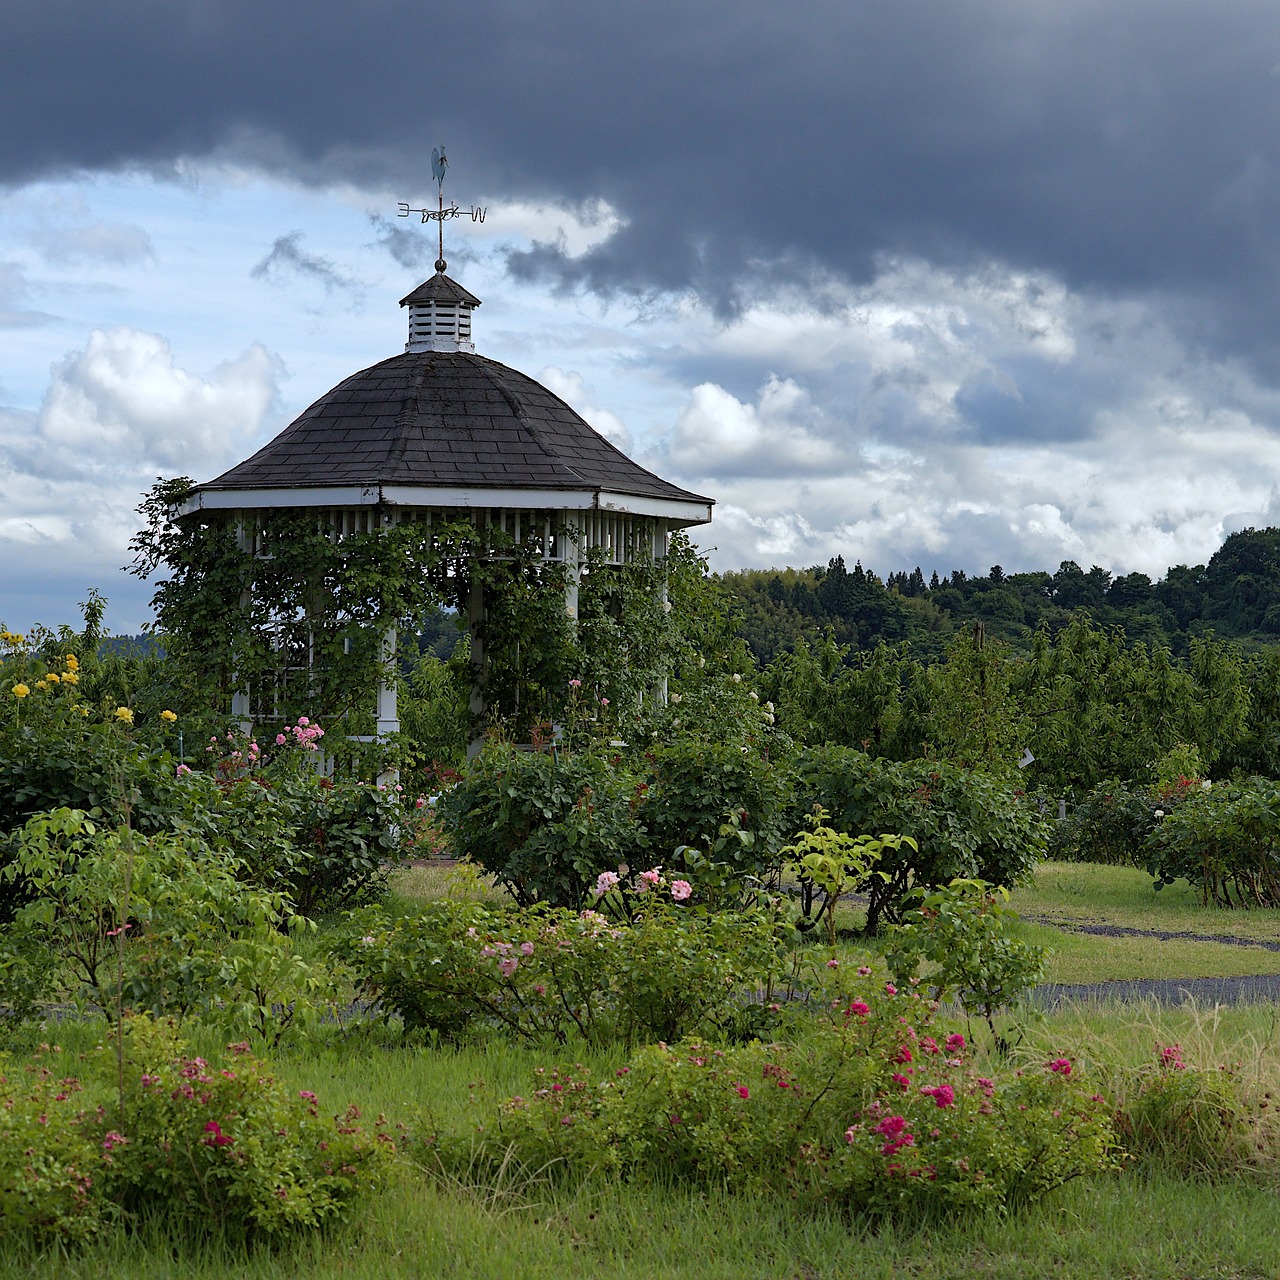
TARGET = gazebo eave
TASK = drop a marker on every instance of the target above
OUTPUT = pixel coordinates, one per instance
(676, 511)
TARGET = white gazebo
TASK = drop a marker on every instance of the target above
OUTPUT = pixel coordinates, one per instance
(441, 434)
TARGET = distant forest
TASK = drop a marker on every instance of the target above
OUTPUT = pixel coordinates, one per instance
(1235, 596)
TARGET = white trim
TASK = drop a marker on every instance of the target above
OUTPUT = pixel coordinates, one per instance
(683, 512)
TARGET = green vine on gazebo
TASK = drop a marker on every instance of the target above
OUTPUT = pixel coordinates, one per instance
(300, 620)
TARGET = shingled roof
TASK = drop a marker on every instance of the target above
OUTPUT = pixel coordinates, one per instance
(449, 420)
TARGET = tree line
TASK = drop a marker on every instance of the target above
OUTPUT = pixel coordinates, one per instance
(1236, 595)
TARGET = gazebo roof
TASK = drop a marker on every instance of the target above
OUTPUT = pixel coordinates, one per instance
(446, 428)
(440, 288)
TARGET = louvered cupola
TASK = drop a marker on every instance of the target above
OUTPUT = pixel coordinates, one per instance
(440, 315)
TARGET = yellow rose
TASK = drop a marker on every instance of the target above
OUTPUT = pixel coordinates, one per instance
(168, 715)
(70, 678)
(20, 691)
(42, 684)
(52, 677)
(124, 715)
(73, 663)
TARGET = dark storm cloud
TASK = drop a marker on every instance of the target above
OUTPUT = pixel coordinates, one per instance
(286, 255)
(1125, 148)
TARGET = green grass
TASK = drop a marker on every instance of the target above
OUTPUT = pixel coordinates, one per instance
(1081, 892)
(1153, 1230)
(1121, 1226)
(1085, 958)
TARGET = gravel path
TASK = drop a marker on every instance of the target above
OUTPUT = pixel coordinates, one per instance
(1166, 991)
(1162, 935)
(1263, 989)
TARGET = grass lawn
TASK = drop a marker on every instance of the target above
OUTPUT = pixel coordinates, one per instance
(1125, 1225)
(1087, 893)
(1135, 1223)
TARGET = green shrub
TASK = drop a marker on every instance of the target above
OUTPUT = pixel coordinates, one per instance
(550, 973)
(545, 826)
(329, 843)
(143, 1127)
(162, 924)
(1224, 839)
(866, 1109)
(1108, 826)
(963, 932)
(694, 786)
(964, 824)
(1187, 1121)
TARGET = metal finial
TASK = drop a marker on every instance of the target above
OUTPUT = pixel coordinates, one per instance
(439, 163)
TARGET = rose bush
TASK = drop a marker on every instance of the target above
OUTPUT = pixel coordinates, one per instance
(874, 1107)
(145, 1128)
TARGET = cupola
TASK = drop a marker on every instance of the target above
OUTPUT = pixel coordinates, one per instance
(440, 314)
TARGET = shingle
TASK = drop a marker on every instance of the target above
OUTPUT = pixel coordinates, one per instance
(450, 418)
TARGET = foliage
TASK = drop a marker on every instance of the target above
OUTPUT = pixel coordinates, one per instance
(693, 786)
(964, 930)
(961, 824)
(59, 748)
(544, 825)
(328, 841)
(835, 863)
(868, 1110)
(550, 973)
(1112, 824)
(1187, 1120)
(297, 617)
(1223, 839)
(218, 1142)
(159, 924)
(1236, 594)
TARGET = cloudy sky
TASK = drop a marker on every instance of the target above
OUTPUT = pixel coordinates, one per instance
(919, 283)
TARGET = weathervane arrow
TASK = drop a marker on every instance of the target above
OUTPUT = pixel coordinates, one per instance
(439, 163)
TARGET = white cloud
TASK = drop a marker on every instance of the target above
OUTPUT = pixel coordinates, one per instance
(957, 421)
(573, 390)
(123, 402)
(14, 291)
(116, 415)
(718, 435)
(572, 229)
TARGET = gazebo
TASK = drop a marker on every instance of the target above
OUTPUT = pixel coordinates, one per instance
(437, 435)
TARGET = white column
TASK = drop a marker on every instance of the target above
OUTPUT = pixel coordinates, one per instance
(240, 708)
(660, 540)
(388, 718)
(575, 536)
(475, 623)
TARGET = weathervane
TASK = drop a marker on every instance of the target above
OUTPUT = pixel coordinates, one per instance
(439, 163)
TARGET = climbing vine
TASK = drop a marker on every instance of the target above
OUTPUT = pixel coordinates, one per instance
(297, 617)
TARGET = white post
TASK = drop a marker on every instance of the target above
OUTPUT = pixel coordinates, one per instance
(475, 623)
(240, 708)
(660, 541)
(575, 536)
(388, 718)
